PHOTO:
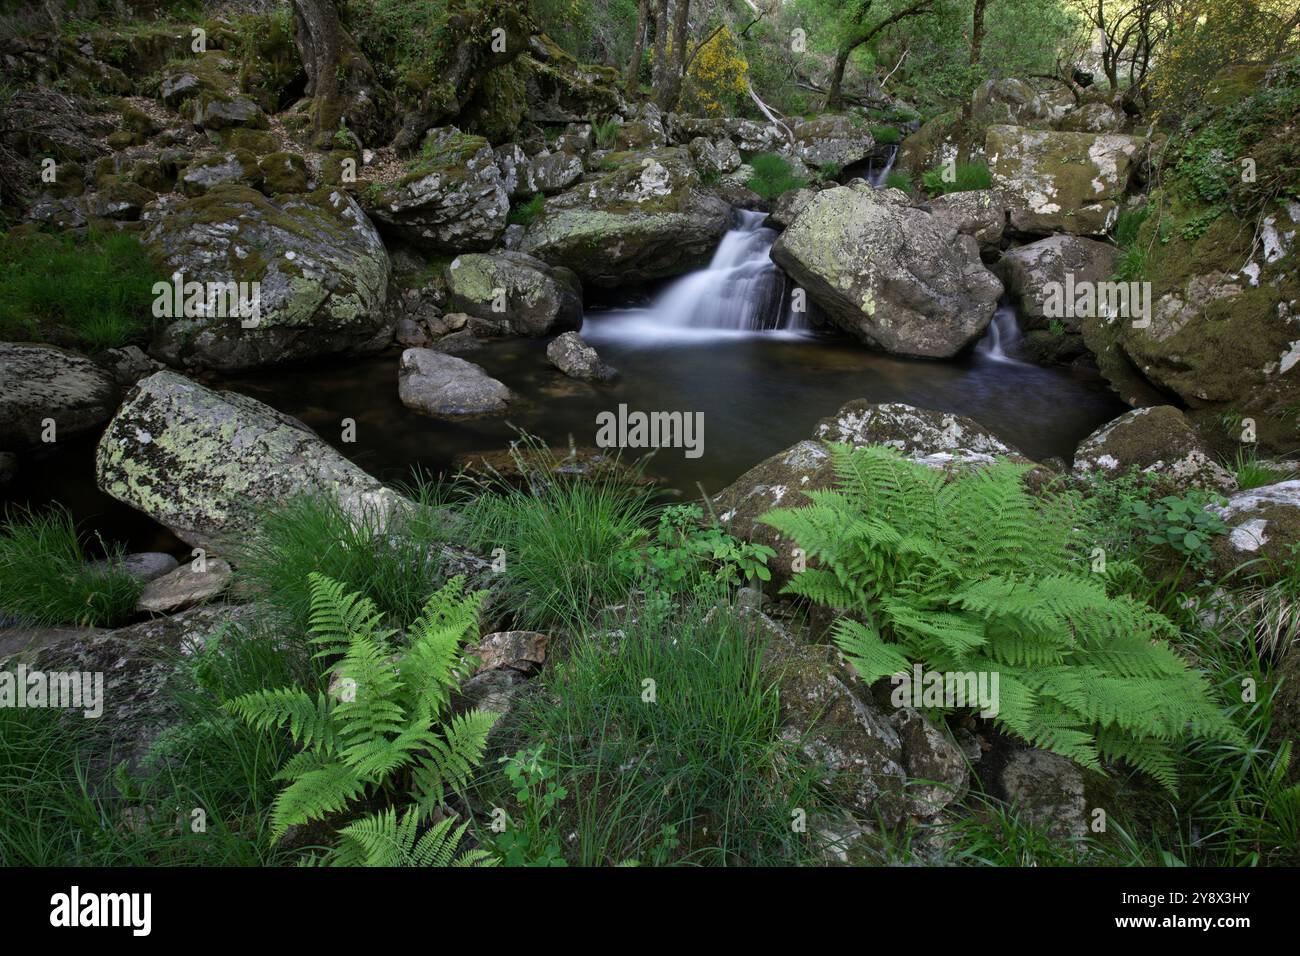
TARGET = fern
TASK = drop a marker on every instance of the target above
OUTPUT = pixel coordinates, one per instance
(383, 729)
(384, 839)
(975, 574)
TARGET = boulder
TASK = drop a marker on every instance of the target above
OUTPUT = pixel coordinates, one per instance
(314, 265)
(205, 90)
(205, 464)
(1062, 182)
(454, 198)
(1032, 271)
(890, 275)
(1160, 443)
(559, 89)
(536, 298)
(127, 365)
(144, 566)
(1093, 117)
(1264, 532)
(833, 139)
(555, 172)
(443, 386)
(930, 755)
(749, 136)
(184, 587)
(714, 157)
(1047, 790)
(576, 359)
(233, 166)
(980, 213)
(644, 217)
(1008, 101)
(787, 207)
(41, 384)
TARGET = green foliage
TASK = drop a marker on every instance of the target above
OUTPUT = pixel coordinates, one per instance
(899, 179)
(683, 555)
(560, 537)
(964, 177)
(885, 135)
(531, 840)
(1128, 223)
(699, 774)
(47, 578)
(527, 212)
(92, 293)
(394, 559)
(383, 728)
(975, 575)
(829, 172)
(605, 133)
(1180, 523)
(773, 176)
(384, 839)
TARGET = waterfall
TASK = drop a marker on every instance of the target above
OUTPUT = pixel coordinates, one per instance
(741, 289)
(1002, 334)
(877, 176)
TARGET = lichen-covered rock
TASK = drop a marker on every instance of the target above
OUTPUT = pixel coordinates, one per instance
(576, 359)
(1062, 182)
(1264, 532)
(644, 218)
(443, 386)
(1093, 117)
(1159, 442)
(890, 275)
(1009, 101)
(453, 200)
(50, 393)
(832, 139)
(533, 297)
(929, 755)
(1031, 270)
(321, 271)
(559, 89)
(921, 434)
(205, 89)
(232, 166)
(553, 172)
(283, 173)
(714, 157)
(185, 587)
(1048, 791)
(749, 136)
(122, 201)
(980, 213)
(206, 463)
(787, 207)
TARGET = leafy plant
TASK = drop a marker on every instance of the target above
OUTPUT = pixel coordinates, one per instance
(975, 575)
(527, 212)
(382, 730)
(898, 179)
(1181, 523)
(964, 177)
(46, 576)
(385, 839)
(683, 554)
(773, 176)
(605, 133)
(532, 841)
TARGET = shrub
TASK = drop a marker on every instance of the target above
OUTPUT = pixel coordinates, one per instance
(47, 578)
(527, 212)
(885, 135)
(974, 574)
(964, 177)
(773, 176)
(1180, 523)
(898, 179)
(684, 556)
(93, 293)
(382, 728)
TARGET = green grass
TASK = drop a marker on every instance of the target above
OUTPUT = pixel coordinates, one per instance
(773, 176)
(605, 133)
(1252, 472)
(47, 577)
(1128, 224)
(885, 135)
(898, 179)
(527, 212)
(698, 776)
(394, 560)
(559, 538)
(966, 177)
(92, 293)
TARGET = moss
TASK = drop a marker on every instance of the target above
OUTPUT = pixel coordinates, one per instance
(259, 142)
(283, 173)
(498, 106)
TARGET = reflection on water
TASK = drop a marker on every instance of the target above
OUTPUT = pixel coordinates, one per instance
(759, 393)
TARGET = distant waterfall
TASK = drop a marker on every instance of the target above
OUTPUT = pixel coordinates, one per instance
(877, 177)
(1003, 333)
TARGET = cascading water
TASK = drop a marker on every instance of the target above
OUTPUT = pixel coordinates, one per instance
(876, 177)
(741, 291)
(1002, 335)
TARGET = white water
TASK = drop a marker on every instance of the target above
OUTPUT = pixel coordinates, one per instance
(877, 176)
(1002, 334)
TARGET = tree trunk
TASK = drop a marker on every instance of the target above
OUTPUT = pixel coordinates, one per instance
(671, 87)
(633, 72)
(976, 48)
(661, 42)
(340, 80)
(835, 97)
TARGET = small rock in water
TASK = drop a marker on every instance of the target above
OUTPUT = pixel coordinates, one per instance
(184, 587)
(443, 386)
(576, 359)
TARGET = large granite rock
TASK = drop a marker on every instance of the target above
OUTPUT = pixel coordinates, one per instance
(1160, 443)
(892, 276)
(205, 464)
(1032, 272)
(312, 264)
(40, 383)
(1264, 532)
(534, 298)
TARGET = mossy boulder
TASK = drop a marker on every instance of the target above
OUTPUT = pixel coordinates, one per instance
(1009, 101)
(832, 138)
(979, 213)
(453, 199)
(1037, 272)
(283, 173)
(1062, 182)
(320, 269)
(498, 105)
(206, 464)
(1264, 532)
(559, 89)
(643, 217)
(1160, 443)
(205, 89)
(231, 166)
(533, 297)
(890, 275)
